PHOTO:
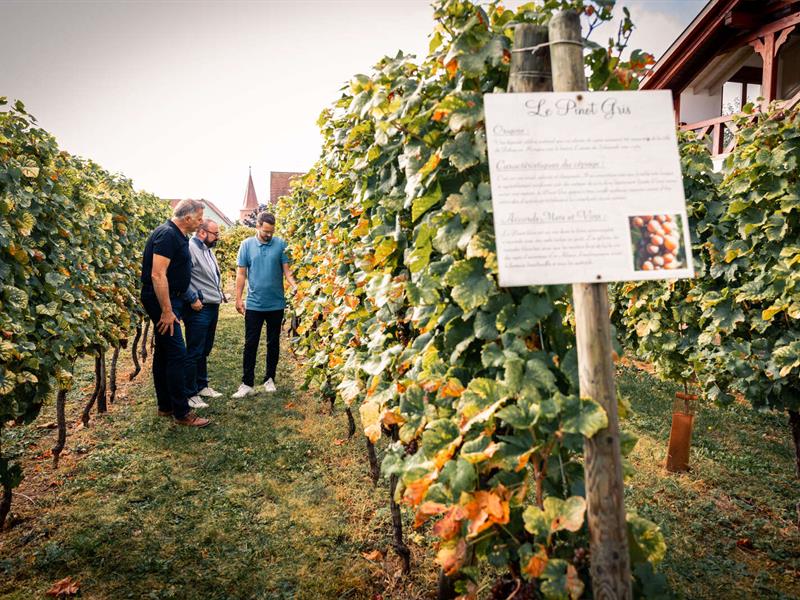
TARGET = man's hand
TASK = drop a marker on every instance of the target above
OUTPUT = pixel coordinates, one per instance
(240, 306)
(166, 323)
(197, 305)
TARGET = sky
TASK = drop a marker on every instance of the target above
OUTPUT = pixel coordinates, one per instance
(184, 96)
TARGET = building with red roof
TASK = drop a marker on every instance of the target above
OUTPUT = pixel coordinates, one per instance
(280, 184)
(734, 52)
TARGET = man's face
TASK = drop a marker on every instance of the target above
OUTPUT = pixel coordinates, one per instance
(210, 235)
(193, 221)
(265, 232)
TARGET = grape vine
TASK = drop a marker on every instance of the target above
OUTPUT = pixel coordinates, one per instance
(475, 386)
(733, 329)
(70, 241)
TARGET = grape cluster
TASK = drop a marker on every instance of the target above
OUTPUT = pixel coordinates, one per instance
(658, 244)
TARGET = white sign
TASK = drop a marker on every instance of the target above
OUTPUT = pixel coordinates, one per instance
(586, 187)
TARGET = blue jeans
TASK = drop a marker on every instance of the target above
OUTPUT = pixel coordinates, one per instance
(201, 326)
(169, 358)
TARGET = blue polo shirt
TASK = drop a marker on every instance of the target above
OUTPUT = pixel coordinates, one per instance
(264, 264)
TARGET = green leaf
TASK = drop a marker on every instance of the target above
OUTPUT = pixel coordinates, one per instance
(554, 580)
(470, 282)
(521, 319)
(460, 476)
(422, 204)
(645, 540)
(583, 416)
(438, 436)
(557, 515)
(463, 152)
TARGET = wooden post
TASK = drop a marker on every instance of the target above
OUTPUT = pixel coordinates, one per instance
(530, 71)
(768, 47)
(608, 534)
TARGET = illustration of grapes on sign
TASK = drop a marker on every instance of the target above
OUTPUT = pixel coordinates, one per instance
(657, 242)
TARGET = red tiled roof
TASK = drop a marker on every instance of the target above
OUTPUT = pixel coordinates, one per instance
(707, 36)
(279, 184)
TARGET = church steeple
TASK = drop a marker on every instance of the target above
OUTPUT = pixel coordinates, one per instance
(250, 201)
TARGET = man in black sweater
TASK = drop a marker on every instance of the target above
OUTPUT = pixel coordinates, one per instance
(166, 272)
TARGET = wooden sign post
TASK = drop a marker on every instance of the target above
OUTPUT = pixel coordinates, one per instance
(586, 189)
(530, 71)
(610, 564)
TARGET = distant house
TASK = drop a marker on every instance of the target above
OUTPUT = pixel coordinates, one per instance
(210, 211)
(279, 184)
(734, 52)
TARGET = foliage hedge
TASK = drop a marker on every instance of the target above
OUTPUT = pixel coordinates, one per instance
(734, 328)
(227, 250)
(475, 385)
(71, 237)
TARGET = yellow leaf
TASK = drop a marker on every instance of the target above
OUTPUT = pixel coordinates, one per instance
(536, 564)
(426, 510)
(393, 417)
(450, 525)
(731, 255)
(451, 555)
(773, 310)
(375, 555)
(575, 585)
(486, 508)
(64, 587)
(371, 420)
(361, 229)
(452, 389)
(385, 249)
(416, 490)
(430, 165)
(452, 68)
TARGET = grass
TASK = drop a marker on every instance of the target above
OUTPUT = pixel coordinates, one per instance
(269, 502)
(730, 523)
(262, 504)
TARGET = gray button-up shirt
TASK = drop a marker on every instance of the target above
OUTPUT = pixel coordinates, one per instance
(205, 274)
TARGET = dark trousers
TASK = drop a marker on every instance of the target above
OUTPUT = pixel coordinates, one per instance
(169, 358)
(201, 326)
(254, 320)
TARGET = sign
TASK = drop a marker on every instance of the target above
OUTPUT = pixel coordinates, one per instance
(586, 187)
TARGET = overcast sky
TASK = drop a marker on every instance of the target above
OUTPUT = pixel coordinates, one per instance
(183, 96)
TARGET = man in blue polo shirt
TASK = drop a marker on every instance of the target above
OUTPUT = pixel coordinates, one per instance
(262, 263)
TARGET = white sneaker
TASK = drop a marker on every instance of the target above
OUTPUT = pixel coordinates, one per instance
(197, 402)
(209, 393)
(269, 386)
(244, 390)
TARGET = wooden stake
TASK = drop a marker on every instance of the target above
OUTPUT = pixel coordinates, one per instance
(610, 563)
(530, 71)
(61, 439)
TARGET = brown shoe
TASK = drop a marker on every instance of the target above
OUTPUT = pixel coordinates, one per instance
(192, 420)
(164, 413)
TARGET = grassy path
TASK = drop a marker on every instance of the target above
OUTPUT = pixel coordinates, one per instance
(271, 502)
(262, 504)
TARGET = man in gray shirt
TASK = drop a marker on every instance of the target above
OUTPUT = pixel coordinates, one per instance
(204, 296)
